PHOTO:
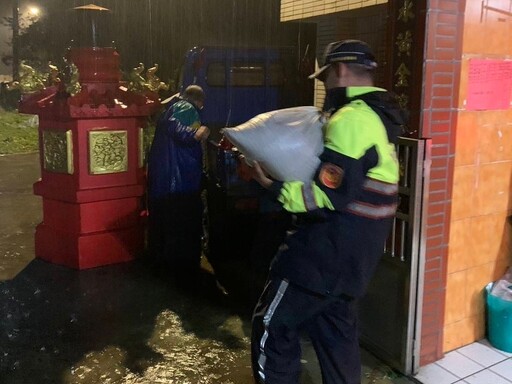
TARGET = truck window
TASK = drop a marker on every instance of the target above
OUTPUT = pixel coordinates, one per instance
(247, 75)
(216, 75)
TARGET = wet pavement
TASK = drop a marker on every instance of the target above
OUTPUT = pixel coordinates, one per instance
(117, 324)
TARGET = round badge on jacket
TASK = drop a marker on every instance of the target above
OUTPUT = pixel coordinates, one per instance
(331, 175)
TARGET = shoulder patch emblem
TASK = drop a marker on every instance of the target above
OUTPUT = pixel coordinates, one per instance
(331, 175)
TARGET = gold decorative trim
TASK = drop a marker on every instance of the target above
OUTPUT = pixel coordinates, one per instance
(108, 152)
(58, 151)
(404, 43)
(407, 45)
(141, 147)
(405, 13)
(69, 141)
(403, 100)
(403, 75)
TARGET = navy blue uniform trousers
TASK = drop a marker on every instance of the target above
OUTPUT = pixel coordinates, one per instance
(282, 314)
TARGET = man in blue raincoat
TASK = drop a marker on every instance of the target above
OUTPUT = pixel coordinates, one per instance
(175, 172)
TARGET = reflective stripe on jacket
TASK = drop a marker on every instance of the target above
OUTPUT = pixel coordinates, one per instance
(357, 145)
(347, 210)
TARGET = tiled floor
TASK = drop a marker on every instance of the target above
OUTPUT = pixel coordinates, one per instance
(477, 363)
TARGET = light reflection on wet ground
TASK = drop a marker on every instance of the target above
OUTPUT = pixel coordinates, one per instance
(115, 324)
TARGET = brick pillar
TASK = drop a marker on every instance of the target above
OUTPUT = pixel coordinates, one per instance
(438, 114)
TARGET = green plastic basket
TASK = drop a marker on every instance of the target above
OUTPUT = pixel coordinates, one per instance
(499, 321)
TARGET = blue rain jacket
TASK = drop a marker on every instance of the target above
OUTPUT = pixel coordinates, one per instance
(175, 158)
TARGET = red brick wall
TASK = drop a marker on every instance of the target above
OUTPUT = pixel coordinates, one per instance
(442, 63)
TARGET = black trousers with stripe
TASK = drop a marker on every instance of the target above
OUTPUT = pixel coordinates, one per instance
(283, 313)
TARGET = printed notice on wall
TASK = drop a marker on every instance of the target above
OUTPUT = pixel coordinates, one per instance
(489, 84)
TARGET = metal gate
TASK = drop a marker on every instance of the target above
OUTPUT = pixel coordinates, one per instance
(390, 313)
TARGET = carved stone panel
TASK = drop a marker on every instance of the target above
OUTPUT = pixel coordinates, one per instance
(108, 152)
(58, 151)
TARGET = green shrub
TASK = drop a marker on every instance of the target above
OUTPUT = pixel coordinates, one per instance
(18, 133)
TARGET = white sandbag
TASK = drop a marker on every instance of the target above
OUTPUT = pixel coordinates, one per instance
(286, 142)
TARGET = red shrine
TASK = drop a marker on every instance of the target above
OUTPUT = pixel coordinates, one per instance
(92, 163)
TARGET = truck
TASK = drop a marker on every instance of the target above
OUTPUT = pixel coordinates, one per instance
(239, 83)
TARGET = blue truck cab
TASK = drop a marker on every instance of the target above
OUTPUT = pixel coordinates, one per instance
(239, 83)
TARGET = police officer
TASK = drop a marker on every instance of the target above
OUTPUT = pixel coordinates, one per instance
(345, 214)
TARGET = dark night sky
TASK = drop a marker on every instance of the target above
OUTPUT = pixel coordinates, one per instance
(160, 31)
(5, 33)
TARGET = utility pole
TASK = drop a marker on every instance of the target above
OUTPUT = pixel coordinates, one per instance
(15, 44)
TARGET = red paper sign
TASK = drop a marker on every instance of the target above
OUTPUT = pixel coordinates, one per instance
(489, 84)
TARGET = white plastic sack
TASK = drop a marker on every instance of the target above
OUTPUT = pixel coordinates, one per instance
(287, 142)
(503, 287)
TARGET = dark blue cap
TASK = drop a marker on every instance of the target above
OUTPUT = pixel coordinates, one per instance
(346, 51)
